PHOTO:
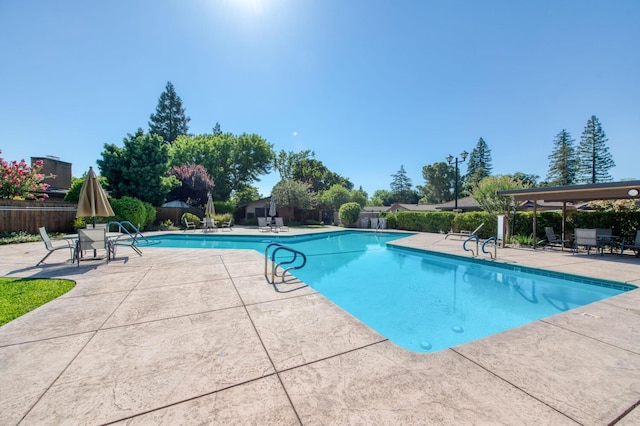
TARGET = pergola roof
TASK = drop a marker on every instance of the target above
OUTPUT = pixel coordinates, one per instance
(594, 191)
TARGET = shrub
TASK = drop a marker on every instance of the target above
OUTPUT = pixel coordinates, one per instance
(349, 213)
(130, 209)
(190, 218)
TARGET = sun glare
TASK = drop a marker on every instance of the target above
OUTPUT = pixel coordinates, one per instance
(253, 6)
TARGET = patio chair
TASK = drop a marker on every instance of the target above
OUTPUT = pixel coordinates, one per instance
(209, 223)
(188, 225)
(92, 239)
(464, 233)
(587, 238)
(553, 239)
(280, 226)
(635, 245)
(262, 225)
(227, 225)
(50, 247)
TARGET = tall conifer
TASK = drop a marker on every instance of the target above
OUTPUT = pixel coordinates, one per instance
(562, 161)
(594, 158)
(170, 120)
(479, 165)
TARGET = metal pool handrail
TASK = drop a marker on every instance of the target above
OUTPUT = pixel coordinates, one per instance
(464, 245)
(493, 255)
(275, 266)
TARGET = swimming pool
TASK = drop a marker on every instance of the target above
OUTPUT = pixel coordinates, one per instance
(422, 301)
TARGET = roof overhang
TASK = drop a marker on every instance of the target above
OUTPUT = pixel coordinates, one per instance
(596, 191)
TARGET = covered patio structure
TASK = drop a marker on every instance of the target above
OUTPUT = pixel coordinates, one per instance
(575, 194)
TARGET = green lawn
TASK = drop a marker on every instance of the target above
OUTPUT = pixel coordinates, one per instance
(21, 295)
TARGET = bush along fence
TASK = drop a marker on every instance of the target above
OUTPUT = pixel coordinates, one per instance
(623, 223)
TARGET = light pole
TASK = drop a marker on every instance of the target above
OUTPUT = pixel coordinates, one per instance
(464, 155)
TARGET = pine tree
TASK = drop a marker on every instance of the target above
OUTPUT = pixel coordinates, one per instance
(401, 188)
(562, 161)
(169, 121)
(479, 165)
(594, 158)
(217, 131)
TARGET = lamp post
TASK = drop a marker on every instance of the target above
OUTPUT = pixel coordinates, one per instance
(464, 155)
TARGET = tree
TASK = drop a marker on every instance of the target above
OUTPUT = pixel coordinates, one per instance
(479, 165)
(530, 180)
(139, 169)
(359, 196)
(334, 197)
(19, 180)
(594, 158)
(401, 188)
(169, 121)
(245, 195)
(233, 162)
(196, 184)
(216, 129)
(562, 161)
(349, 213)
(485, 193)
(303, 166)
(294, 194)
(439, 183)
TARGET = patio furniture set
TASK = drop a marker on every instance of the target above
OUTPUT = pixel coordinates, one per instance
(594, 238)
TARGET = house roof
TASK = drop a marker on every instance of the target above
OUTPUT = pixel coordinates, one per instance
(595, 191)
(464, 203)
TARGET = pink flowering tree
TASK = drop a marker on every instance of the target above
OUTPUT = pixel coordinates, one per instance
(19, 180)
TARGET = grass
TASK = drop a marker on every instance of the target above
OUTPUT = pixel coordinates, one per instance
(21, 295)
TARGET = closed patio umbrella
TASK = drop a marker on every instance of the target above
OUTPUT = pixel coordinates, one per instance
(210, 209)
(93, 200)
(272, 207)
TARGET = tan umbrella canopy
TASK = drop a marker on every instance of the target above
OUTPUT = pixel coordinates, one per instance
(210, 210)
(93, 200)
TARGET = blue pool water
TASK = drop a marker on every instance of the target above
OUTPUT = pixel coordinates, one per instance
(422, 301)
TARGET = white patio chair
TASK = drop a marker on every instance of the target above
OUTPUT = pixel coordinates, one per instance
(50, 247)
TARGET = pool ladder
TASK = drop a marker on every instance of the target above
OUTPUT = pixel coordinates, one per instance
(483, 248)
(275, 265)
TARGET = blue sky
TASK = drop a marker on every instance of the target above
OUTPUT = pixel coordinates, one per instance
(369, 85)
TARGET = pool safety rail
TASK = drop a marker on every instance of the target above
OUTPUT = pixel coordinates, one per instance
(477, 240)
(488, 242)
(296, 258)
(495, 247)
(130, 235)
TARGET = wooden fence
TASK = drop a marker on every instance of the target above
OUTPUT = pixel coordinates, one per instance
(58, 216)
(28, 216)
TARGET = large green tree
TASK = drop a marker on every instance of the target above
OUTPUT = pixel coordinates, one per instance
(233, 162)
(562, 161)
(479, 164)
(169, 120)
(304, 167)
(439, 183)
(401, 188)
(594, 158)
(295, 194)
(334, 197)
(138, 169)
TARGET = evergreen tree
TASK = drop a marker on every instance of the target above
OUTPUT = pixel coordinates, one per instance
(594, 158)
(401, 188)
(169, 121)
(562, 161)
(217, 130)
(479, 165)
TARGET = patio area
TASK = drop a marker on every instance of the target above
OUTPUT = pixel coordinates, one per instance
(198, 336)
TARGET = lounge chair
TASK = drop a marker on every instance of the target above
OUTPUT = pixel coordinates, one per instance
(464, 233)
(188, 225)
(209, 223)
(553, 239)
(92, 239)
(227, 225)
(262, 225)
(635, 245)
(280, 226)
(50, 247)
(587, 238)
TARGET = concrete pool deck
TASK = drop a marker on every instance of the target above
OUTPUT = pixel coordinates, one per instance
(192, 336)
